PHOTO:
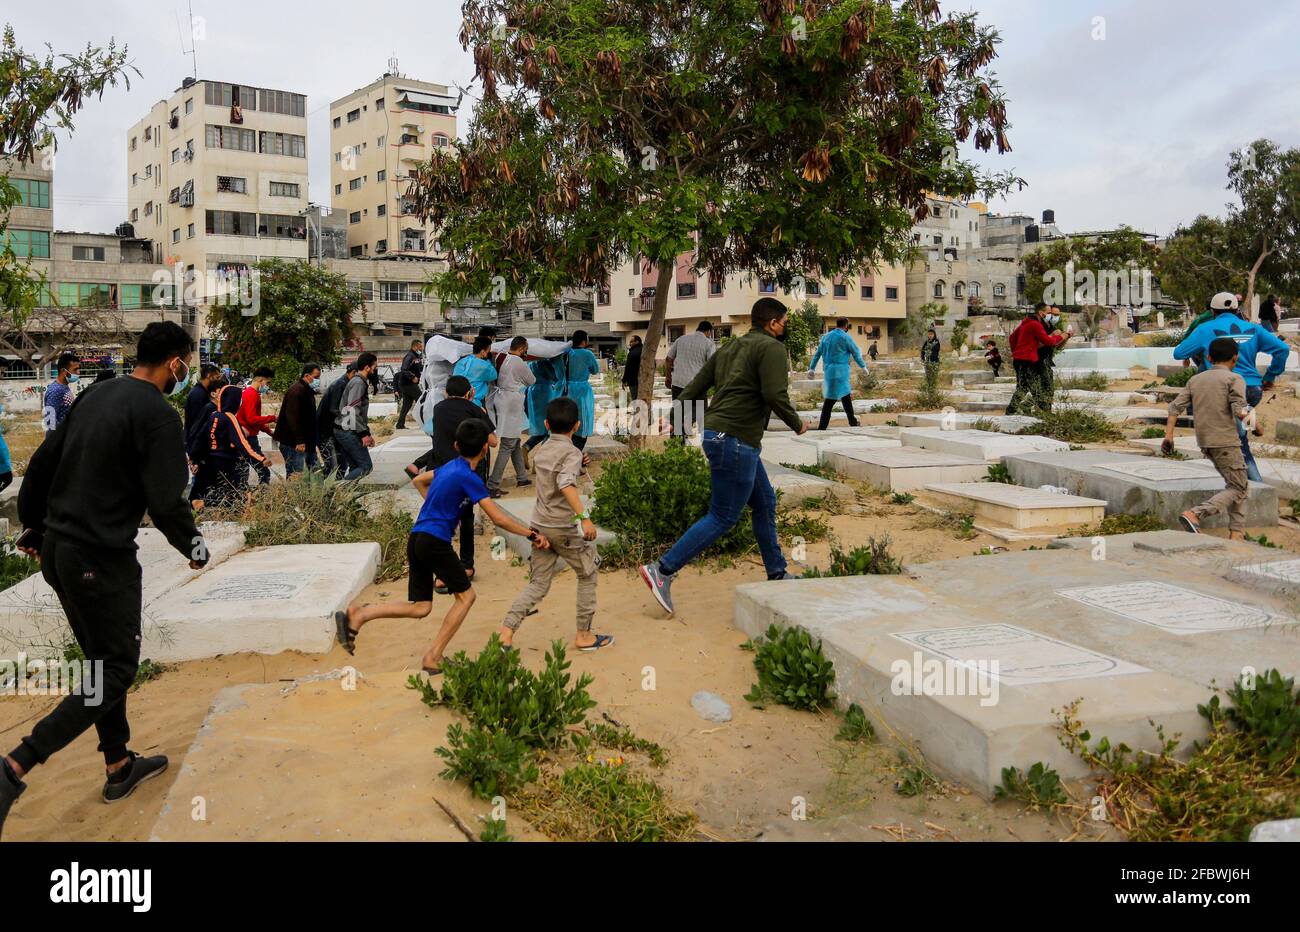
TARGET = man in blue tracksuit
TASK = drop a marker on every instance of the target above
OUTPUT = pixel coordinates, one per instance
(1251, 339)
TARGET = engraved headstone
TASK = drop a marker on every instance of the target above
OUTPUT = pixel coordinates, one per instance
(275, 586)
(1171, 608)
(1160, 471)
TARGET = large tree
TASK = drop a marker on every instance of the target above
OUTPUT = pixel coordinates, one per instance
(1199, 261)
(39, 95)
(1100, 265)
(752, 135)
(299, 313)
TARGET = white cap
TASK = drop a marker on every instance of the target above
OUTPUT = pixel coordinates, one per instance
(1224, 301)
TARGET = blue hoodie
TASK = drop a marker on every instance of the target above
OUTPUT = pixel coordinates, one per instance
(1252, 339)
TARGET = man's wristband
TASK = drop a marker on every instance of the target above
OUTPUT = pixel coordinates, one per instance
(581, 517)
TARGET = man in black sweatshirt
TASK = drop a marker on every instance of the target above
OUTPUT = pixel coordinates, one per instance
(119, 452)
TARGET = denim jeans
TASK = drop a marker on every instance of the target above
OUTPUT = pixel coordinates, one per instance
(738, 479)
(354, 457)
(293, 460)
(1254, 394)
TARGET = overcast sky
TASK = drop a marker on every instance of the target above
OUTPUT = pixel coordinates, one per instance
(1132, 128)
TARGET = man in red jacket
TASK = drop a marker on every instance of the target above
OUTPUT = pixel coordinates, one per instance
(1033, 387)
(251, 419)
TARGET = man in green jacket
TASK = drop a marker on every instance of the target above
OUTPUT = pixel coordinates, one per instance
(750, 379)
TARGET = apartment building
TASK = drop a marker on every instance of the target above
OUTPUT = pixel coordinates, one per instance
(31, 220)
(951, 227)
(217, 179)
(870, 302)
(378, 134)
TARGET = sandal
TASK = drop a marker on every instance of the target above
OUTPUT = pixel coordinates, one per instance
(602, 640)
(412, 470)
(347, 638)
(432, 671)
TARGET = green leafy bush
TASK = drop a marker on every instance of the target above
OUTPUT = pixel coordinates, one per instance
(792, 670)
(1122, 524)
(1153, 433)
(1088, 382)
(596, 802)
(491, 761)
(1270, 712)
(1074, 425)
(1040, 786)
(873, 559)
(998, 472)
(15, 566)
(856, 726)
(1181, 377)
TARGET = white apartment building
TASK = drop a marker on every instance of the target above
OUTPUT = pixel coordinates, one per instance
(378, 134)
(952, 226)
(217, 178)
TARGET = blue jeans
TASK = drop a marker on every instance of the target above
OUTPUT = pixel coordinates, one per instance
(354, 458)
(1254, 394)
(738, 479)
(293, 460)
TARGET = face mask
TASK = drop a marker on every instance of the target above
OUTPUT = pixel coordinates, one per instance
(315, 385)
(73, 377)
(263, 389)
(179, 385)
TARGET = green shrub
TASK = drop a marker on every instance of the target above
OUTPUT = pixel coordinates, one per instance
(1270, 713)
(495, 830)
(874, 559)
(856, 726)
(1074, 425)
(998, 472)
(1181, 377)
(1040, 786)
(813, 469)
(15, 566)
(1153, 433)
(792, 670)
(1088, 382)
(1122, 524)
(596, 802)
(1163, 338)
(495, 691)
(903, 498)
(491, 761)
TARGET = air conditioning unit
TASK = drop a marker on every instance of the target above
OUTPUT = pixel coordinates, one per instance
(381, 249)
(187, 194)
(174, 122)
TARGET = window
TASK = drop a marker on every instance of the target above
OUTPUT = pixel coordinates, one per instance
(86, 294)
(974, 289)
(354, 217)
(231, 223)
(410, 292)
(29, 244)
(675, 333)
(148, 171)
(686, 290)
(189, 106)
(226, 184)
(891, 292)
(441, 141)
(133, 140)
(219, 94)
(338, 189)
(356, 183)
(148, 208)
(284, 189)
(282, 226)
(602, 295)
(939, 287)
(767, 286)
(135, 179)
(379, 104)
(813, 288)
(959, 290)
(715, 285)
(338, 156)
(135, 214)
(176, 156)
(337, 122)
(380, 141)
(381, 210)
(283, 144)
(176, 114)
(189, 232)
(868, 292)
(88, 253)
(381, 246)
(354, 115)
(176, 235)
(999, 291)
(131, 296)
(32, 193)
(231, 137)
(840, 290)
(367, 289)
(381, 175)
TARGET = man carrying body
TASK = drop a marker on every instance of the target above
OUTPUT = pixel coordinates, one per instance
(120, 453)
(750, 378)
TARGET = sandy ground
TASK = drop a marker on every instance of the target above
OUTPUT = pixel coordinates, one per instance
(317, 761)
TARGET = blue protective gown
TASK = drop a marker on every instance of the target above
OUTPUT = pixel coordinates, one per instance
(540, 393)
(580, 365)
(836, 349)
(480, 372)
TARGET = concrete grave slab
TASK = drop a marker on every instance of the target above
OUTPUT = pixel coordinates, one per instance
(1128, 488)
(30, 613)
(1004, 423)
(905, 469)
(1111, 633)
(1016, 507)
(990, 446)
(263, 601)
(796, 488)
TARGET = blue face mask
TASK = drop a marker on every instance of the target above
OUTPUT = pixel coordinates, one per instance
(315, 385)
(263, 389)
(73, 377)
(180, 382)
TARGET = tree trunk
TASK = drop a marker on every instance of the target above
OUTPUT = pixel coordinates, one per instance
(646, 375)
(1249, 299)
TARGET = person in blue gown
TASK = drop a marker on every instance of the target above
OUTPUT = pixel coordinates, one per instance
(835, 350)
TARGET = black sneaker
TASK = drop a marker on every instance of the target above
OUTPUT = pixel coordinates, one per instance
(10, 789)
(523, 483)
(139, 769)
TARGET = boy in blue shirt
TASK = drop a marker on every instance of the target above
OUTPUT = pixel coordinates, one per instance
(429, 552)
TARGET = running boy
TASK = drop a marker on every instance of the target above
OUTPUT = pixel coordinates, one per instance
(559, 513)
(1218, 396)
(429, 552)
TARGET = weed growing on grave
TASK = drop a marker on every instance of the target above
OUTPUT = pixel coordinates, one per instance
(1074, 425)
(604, 802)
(1181, 377)
(1263, 541)
(792, 670)
(872, 559)
(15, 566)
(865, 381)
(314, 508)
(490, 760)
(960, 524)
(1121, 524)
(495, 830)
(914, 777)
(1245, 772)
(813, 469)
(624, 739)
(998, 472)
(1088, 382)
(903, 498)
(856, 726)
(1039, 786)
(1153, 433)
(984, 423)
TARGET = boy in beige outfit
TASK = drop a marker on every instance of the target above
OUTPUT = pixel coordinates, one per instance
(1218, 400)
(559, 514)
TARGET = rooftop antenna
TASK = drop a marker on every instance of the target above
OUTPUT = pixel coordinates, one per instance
(192, 51)
(392, 67)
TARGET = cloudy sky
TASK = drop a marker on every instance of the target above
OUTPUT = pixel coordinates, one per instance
(1123, 111)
